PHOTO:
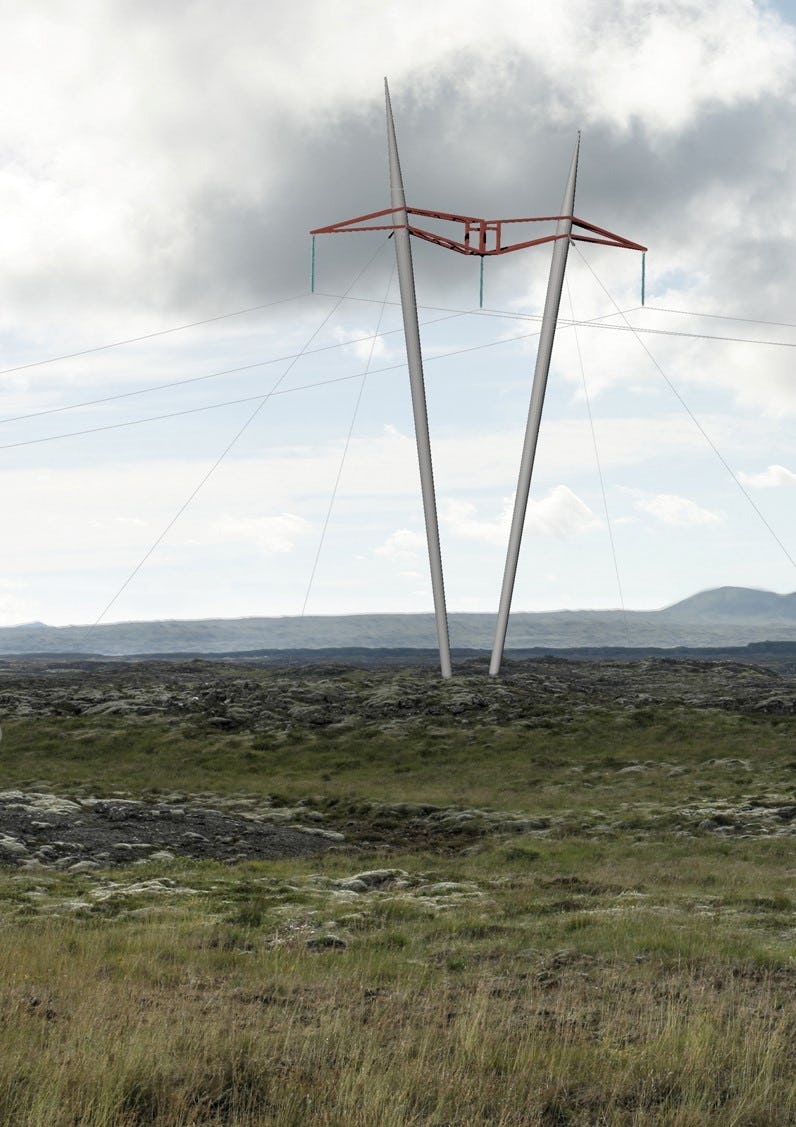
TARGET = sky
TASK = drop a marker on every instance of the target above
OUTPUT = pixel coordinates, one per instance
(161, 165)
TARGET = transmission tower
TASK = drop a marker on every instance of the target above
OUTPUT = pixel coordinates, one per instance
(485, 238)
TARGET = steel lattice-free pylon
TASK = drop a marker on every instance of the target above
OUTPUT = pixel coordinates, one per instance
(482, 237)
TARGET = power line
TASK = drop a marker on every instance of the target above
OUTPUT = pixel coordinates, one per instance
(148, 336)
(593, 323)
(354, 414)
(296, 297)
(209, 375)
(692, 417)
(723, 317)
(252, 398)
(636, 329)
(322, 383)
(600, 472)
(263, 400)
(480, 312)
(179, 329)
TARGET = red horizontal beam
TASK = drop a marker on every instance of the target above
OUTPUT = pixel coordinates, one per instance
(339, 229)
(463, 248)
(472, 219)
(620, 239)
(479, 230)
(620, 243)
(345, 224)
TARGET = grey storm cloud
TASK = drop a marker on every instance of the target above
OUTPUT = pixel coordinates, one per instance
(213, 159)
(504, 158)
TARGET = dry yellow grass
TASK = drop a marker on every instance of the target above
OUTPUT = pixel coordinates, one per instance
(177, 1021)
(622, 968)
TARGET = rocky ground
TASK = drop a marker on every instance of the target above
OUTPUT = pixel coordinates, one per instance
(264, 699)
(82, 831)
(39, 829)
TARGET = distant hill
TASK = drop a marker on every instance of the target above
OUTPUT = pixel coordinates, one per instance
(727, 616)
(734, 604)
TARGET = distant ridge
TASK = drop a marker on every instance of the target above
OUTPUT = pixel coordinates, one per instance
(734, 604)
(726, 616)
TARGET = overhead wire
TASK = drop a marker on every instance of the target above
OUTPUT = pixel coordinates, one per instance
(600, 475)
(692, 417)
(212, 375)
(297, 297)
(647, 330)
(252, 398)
(346, 445)
(450, 313)
(594, 323)
(147, 336)
(723, 317)
(238, 434)
(479, 312)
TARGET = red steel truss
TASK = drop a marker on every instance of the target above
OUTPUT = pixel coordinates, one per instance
(481, 236)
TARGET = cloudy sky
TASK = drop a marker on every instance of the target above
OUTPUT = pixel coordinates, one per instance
(162, 164)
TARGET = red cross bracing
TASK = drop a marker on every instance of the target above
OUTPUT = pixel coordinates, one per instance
(479, 236)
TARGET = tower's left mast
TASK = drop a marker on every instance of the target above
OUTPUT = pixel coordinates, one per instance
(406, 280)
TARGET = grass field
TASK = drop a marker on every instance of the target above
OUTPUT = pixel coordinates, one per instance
(625, 954)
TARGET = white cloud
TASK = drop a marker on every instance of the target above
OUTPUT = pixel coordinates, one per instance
(771, 478)
(15, 605)
(671, 509)
(132, 199)
(138, 127)
(363, 343)
(274, 535)
(560, 514)
(114, 523)
(403, 544)
(459, 518)
(671, 62)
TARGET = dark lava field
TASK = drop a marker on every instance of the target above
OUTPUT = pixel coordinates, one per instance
(254, 697)
(295, 705)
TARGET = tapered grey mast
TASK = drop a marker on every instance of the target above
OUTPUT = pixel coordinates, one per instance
(546, 337)
(406, 279)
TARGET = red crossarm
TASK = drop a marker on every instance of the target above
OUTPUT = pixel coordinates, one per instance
(483, 237)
